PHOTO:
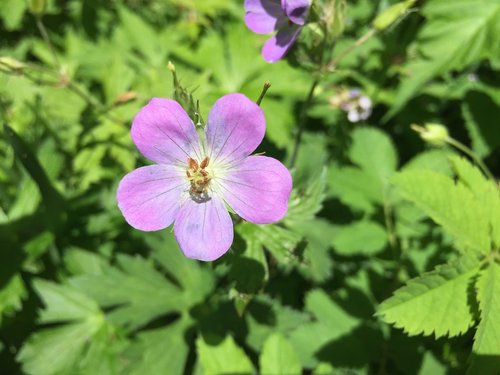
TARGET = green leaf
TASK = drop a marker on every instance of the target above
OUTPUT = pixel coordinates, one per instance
(455, 35)
(355, 188)
(280, 242)
(332, 322)
(141, 292)
(451, 205)
(374, 152)
(63, 303)
(486, 348)
(11, 296)
(485, 191)
(278, 357)
(159, 351)
(434, 303)
(363, 237)
(480, 111)
(223, 358)
(303, 206)
(88, 343)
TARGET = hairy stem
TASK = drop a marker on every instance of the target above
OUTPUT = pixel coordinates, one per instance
(302, 120)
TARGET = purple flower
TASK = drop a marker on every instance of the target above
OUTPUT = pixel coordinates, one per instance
(284, 16)
(194, 179)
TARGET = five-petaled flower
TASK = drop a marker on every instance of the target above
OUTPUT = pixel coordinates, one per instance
(284, 16)
(194, 179)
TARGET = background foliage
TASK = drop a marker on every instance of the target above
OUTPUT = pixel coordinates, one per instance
(388, 261)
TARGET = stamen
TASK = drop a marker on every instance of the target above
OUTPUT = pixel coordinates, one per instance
(204, 163)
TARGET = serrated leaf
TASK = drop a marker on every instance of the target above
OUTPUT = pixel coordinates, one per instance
(363, 237)
(435, 302)
(486, 348)
(480, 111)
(451, 205)
(485, 191)
(278, 357)
(223, 358)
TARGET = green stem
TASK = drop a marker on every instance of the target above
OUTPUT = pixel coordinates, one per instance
(45, 36)
(460, 146)
(302, 120)
(333, 64)
(267, 84)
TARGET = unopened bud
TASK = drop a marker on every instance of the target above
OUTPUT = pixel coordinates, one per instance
(435, 134)
(171, 66)
(392, 14)
(12, 64)
(37, 7)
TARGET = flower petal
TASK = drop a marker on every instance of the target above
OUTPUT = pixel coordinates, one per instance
(277, 46)
(164, 133)
(297, 10)
(204, 230)
(257, 189)
(235, 127)
(264, 16)
(149, 196)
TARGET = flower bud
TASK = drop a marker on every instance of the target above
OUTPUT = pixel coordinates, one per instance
(435, 134)
(333, 16)
(37, 7)
(11, 64)
(392, 14)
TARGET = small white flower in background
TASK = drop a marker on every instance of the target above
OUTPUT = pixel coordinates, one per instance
(357, 106)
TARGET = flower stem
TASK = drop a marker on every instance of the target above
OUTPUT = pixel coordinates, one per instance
(46, 39)
(460, 146)
(267, 84)
(333, 64)
(302, 120)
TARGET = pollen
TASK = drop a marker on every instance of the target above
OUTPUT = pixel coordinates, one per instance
(198, 175)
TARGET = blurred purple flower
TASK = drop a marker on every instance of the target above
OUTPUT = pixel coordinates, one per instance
(193, 180)
(284, 16)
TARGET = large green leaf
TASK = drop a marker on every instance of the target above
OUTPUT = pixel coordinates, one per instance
(140, 292)
(485, 191)
(455, 35)
(451, 205)
(225, 357)
(86, 344)
(278, 357)
(363, 237)
(486, 348)
(434, 303)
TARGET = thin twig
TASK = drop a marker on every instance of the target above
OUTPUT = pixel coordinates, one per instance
(330, 66)
(45, 36)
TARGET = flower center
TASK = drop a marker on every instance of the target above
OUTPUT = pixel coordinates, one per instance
(198, 175)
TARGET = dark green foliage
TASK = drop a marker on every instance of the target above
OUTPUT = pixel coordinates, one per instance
(388, 261)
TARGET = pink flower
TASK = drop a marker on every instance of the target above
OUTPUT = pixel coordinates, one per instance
(284, 16)
(194, 179)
